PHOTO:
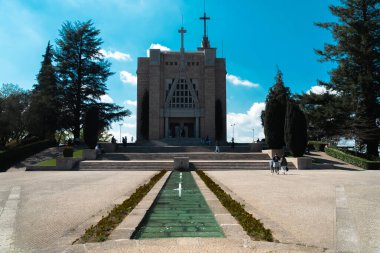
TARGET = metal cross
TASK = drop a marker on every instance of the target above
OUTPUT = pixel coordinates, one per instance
(204, 18)
(182, 31)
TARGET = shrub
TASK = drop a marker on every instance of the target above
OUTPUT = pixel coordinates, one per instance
(354, 160)
(15, 143)
(12, 156)
(68, 152)
(295, 129)
(317, 145)
(361, 155)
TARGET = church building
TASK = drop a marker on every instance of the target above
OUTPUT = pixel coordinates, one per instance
(185, 90)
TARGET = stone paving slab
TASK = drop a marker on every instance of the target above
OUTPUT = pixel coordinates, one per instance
(236, 241)
(55, 208)
(300, 208)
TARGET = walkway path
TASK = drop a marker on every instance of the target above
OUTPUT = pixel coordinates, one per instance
(47, 211)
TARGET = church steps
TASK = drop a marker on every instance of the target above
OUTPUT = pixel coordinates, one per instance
(159, 165)
(178, 149)
(192, 156)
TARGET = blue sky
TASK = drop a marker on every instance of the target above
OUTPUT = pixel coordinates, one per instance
(256, 36)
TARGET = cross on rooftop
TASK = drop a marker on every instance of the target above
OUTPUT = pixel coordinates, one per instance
(182, 31)
(204, 18)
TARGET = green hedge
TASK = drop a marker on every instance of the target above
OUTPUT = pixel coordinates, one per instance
(252, 226)
(354, 160)
(12, 156)
(317, 145)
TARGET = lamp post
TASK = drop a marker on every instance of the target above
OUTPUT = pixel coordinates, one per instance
(253, 135)
(233, 130)
(120, 124)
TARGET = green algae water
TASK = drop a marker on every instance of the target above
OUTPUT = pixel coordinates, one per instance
(179, 210)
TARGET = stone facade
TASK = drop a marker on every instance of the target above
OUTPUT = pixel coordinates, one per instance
(183, 88)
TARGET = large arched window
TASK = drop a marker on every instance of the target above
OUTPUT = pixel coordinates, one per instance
(182, 97)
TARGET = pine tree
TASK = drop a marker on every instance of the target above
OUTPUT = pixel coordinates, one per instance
(13, 103)
(295, 129)
(42, 114)
(326, 115)
(357, 54)
(275, 111)
(82, 71)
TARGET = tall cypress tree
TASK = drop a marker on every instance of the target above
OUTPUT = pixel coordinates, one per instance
(295, 129)
(275, 111)
(357, 54)
(91, 127)
(42, 114)
(82, 71)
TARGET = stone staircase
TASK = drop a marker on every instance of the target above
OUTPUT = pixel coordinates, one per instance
(160, 156)
(179, 149)
(103, 165)
(192, 156)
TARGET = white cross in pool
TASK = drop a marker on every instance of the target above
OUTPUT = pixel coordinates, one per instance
(179, 189)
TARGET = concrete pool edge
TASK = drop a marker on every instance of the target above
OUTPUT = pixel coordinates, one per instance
(179, 211)
(230, 227)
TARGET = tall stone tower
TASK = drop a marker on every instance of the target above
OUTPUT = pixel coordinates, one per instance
(183, 89)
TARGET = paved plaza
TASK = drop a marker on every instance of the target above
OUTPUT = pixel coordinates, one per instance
(334, 209)
(47, 211)
(321, 209)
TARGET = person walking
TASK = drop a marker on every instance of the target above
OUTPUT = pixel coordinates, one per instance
(284, 164)
(217, 150)
(276, 163)
(233, 144)
(271, 166)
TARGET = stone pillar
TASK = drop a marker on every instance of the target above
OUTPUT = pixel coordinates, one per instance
(166, 127)
(197, 127)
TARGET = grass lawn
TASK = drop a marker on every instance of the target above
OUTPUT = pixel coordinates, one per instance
(53, 162)
(78, 153)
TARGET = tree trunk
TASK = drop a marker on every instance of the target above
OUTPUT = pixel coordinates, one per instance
(372, 148)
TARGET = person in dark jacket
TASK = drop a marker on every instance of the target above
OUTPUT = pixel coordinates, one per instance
(276, 163)
(284, 164)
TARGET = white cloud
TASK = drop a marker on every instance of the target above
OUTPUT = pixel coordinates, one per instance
(130, 102)
(129, 125)
(116, 55)
(235, 80)
(318, 89)
(156, 46)
(244, 123)
(106, 99)
(128, 78)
